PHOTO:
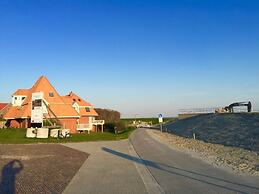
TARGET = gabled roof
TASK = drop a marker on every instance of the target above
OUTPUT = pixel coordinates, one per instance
(56, 103)
(72, 98)
(21, 92)
(43, 85)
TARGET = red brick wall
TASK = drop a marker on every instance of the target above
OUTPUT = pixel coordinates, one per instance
(84, 120)
(14, 124)
(20, 123)
(69, 123)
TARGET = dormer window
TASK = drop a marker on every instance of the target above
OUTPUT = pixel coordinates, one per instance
(87, 109)
(23, 98)
(51, 94)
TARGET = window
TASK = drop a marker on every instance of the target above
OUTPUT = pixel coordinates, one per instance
(79, 99)
(51, 94)
(87, 109)
(36, 103)
(15, 98)
(23, 98)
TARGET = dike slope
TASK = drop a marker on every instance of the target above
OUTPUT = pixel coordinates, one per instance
(237, 129)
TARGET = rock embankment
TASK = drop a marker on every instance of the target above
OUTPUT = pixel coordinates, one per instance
(229, 129)
(238, 159)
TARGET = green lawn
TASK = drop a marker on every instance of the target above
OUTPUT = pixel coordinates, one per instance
(17, 136)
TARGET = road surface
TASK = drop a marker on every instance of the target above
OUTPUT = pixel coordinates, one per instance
(178, 172)
(108, 170)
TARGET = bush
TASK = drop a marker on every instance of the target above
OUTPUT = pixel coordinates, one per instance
(109, 127)
(120, 126)
(115, 127)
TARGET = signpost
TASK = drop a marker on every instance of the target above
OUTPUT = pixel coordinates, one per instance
(37, 108)
(160, 120)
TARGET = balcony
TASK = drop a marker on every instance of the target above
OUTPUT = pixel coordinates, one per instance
(98, 122)
(84, 127)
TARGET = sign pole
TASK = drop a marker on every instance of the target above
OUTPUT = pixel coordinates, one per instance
(160, 120)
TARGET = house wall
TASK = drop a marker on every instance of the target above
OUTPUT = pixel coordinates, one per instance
(69, 123)
(14, 124)
(84, 120)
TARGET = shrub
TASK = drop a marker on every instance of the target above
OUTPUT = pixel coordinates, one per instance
(115, 127)
(109, 127)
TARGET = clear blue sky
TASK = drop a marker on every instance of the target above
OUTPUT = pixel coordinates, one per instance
(138, 57)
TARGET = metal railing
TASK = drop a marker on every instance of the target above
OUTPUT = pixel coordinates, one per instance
(197, 110)
(82, 126)
(211, 110)
(98, 122)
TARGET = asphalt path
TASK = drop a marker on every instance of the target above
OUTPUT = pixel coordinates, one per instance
(179, 172)
(110, 169)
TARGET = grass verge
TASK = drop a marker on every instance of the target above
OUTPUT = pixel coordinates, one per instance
(17, 136)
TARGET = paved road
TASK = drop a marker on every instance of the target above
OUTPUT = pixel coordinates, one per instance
(178, 172)
(111, 169)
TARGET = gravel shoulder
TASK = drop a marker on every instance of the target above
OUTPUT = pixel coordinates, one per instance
(237, 160)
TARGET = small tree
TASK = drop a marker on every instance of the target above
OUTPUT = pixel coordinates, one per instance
(110, 116)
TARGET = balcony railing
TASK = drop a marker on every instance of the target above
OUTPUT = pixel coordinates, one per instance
(82, 126)
(98, 122)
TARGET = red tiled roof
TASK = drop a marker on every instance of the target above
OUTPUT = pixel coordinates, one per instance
(3, 105)
(17, 112)
(63, 110)
(21, 92)
(56, 103)
(91, 112)
(72, 98)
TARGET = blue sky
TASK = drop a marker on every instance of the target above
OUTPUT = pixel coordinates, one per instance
(138, 57)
